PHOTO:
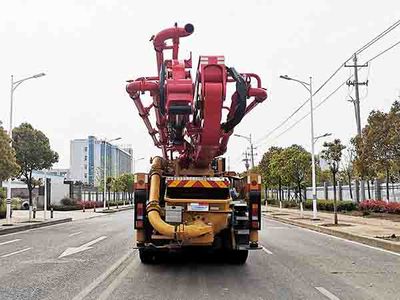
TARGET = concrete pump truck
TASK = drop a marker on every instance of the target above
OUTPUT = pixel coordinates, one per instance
(188, 199)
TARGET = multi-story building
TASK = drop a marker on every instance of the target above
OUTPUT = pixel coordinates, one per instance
(87, 160)
(59, 172)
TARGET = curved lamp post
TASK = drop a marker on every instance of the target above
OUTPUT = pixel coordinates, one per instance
(14, 85)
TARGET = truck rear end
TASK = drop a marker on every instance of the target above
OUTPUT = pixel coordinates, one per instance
(173, 213)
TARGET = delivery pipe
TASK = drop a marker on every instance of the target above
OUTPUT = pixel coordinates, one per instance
(180, 232)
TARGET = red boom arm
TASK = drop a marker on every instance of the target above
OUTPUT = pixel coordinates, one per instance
(189, 114)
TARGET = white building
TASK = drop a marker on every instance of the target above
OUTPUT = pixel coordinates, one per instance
(58, 189)
(87, 160)
(59, 172)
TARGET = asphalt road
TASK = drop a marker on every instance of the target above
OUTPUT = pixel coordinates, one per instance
(93, 259)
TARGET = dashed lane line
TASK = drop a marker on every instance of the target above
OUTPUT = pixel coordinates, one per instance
(86, 291)
(9, 242)
(75, 233)
(106, 294)
(326, 293)
(16, 252)
(266, 250)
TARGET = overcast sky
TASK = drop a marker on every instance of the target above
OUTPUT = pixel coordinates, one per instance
(89, 48)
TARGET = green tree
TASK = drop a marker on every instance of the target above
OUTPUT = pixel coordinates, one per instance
(347, 167)
(33, 152)
(8, 163)
(378, 147)
(297, 167)
(124, 184)
(270, 169)
(332, 153)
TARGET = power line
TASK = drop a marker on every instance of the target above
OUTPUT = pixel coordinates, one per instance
(364, 47)
(384, 51)
(378, 37)
(334, 91)
(317, 106)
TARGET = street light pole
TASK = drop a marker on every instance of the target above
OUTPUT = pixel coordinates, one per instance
(308, 87)
(14, 85)
(105, 175)
(314, 179)
(134, 163)
(248, 138)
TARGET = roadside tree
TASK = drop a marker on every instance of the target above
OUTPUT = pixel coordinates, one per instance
(8, 163)
(33, 152)
(297, 167)
(271, 168)
(332, 153)
(269, 178)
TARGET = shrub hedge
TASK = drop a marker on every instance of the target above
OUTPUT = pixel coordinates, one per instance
(380, 206)
(326, 205)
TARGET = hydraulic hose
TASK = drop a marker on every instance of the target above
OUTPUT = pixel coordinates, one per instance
(238, 101)
(180, 232)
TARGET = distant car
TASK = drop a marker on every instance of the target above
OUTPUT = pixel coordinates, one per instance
(25, 205)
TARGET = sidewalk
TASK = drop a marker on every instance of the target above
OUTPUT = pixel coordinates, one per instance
(359, 229)
(20, 218)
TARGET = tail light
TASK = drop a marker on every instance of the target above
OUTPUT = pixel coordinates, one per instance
(139, 215)
(254, 216)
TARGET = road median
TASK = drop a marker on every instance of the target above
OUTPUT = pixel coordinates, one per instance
(16, 227)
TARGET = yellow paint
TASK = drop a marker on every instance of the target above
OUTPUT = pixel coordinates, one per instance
(206, 184)
(253, 236)
(180, 232)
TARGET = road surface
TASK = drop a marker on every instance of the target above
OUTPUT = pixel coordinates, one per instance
(94, 259)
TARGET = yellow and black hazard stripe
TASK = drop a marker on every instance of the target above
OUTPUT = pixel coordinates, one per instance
(197, 184)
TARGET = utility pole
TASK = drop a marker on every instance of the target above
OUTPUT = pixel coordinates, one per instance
(246, 160)
(356, 103)
(251, 151)
(248, 138)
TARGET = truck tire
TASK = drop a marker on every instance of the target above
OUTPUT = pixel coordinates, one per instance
(238, 257)
(149, 256)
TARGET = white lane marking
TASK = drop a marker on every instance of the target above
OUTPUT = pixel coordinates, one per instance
(86, 291)
(9, 242)
(276, 227)
(342, 239)
(326, 293)
(75, 233)
(16, 252)
(84, 247)
(106, 294)
(266, 250)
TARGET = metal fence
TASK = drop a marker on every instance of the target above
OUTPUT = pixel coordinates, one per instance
(342, 192)
(98, 196)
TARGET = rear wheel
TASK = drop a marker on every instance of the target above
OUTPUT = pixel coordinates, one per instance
(238, 257)
(149, 256)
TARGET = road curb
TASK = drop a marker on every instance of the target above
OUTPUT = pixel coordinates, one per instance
(17, 228)
(374, 242)
(112, 210)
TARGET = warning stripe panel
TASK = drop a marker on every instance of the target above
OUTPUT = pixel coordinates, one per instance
(198, 183)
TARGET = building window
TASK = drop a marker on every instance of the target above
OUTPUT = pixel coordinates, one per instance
(85, 157)
(85, 149)
(85, 167)
(85, 175)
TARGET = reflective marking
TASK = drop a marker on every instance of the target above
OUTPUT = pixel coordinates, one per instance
(9, 242)
(106, 294)
(16, 252)
(326, 293)
(76, 233)
(266, 250)
(88, 289)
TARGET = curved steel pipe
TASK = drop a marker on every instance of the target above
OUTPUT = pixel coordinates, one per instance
(180, 232)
